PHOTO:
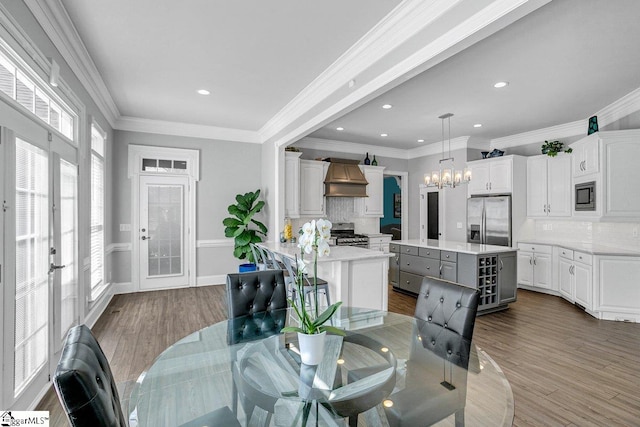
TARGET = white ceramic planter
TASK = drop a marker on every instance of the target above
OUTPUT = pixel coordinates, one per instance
(311, 347)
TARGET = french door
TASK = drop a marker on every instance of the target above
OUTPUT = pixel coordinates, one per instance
(39, 257)
(163, 227)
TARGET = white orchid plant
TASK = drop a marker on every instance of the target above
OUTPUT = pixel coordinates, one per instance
(314, 238)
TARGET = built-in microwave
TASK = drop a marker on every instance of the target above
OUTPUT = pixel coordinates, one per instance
(585, 196)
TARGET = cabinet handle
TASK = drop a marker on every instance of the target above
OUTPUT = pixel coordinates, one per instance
(440, 269)
(534, 261)
(486, 186)
(501, 265)
(529, 261)
(489, 186)
(428, 268)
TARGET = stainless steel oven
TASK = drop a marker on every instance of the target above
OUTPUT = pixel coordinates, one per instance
(585, 196)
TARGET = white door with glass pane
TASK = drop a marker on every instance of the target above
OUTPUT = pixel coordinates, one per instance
(64, 251)
(162, 233)
(40, 297)
(26, 272)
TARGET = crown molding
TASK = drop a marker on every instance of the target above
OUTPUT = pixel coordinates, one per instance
(628, 104)
(350, 147)
(565, 130)
(620, 108)
(56, 23)
(136, 124)
(436, 147)
(394, 153)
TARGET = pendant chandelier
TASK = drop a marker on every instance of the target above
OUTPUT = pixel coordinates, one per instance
(447, 176)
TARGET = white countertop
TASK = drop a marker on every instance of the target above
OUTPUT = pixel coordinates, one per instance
(454, 246)
(590, 248)
(338, 253)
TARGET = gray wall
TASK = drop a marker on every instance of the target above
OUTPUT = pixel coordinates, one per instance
(226, 169)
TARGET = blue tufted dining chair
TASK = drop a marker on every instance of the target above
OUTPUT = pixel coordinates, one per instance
(256, 305)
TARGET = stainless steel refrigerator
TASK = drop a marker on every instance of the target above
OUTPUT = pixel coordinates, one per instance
(489, 220)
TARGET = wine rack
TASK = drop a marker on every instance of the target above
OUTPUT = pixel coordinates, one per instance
(488, 280)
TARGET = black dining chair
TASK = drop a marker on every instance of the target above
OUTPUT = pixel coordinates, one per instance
(88, 392)
(436, 371)
(256, 305)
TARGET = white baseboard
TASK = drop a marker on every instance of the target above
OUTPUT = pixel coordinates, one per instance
(218, 279)
(123, 288)
(99, 307)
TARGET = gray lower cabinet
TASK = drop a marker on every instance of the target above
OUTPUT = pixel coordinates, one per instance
(394, 270)
(493, 275)
(507, 277)
(416, 262)
(410, 282)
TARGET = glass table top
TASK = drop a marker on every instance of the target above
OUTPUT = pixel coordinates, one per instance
(389, 367)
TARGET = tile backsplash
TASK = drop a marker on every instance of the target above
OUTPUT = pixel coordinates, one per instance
(342, 209)
(622, 235)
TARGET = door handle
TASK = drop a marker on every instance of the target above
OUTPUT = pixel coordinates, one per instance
(54, 267)
(145, 238)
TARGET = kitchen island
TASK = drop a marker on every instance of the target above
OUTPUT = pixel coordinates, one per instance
(490, 269)
(356, 276)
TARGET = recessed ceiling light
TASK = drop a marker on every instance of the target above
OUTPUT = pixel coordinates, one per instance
(477, 125)
(339, 128)
(203, 92)
(501, 84)
(383, 134)
(421, 140)
(387, 106)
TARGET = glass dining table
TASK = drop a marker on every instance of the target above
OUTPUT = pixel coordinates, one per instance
(389, 369)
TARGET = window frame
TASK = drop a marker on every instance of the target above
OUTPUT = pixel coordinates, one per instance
(96, 288)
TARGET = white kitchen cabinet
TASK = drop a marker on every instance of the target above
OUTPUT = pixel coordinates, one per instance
(621, 176)
(565, 277)
(549, 186)
(616, 285)
(534, 266)
(586, 155)
(380, 243)
(583, 275)
(292, 184)
(615, 172)
(491, 176)
(373, 205)
(312, 187)
(575, 277)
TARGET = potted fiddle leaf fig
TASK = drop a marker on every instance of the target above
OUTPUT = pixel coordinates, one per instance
(243, 227)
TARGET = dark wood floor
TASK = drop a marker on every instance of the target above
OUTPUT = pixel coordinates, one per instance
(565, 367)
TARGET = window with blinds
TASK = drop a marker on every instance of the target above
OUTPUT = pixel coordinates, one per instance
(98, 139)
(21, 84)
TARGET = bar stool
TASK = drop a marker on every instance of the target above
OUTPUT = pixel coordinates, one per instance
(308, 288)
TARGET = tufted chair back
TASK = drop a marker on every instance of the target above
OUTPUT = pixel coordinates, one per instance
(84, 382)
(256, 303)
(449, 314)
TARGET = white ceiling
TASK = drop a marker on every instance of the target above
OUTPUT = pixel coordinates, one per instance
(564, 61)
(253, 56)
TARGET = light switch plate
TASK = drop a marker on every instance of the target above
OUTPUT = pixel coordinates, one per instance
(125, 227)
(459, 225)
